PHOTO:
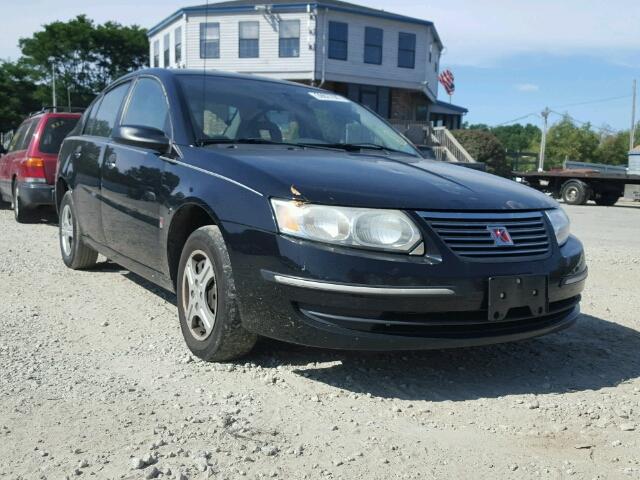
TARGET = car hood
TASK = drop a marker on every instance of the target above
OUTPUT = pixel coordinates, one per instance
(376, 180)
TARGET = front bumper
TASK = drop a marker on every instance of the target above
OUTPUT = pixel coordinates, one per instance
(36, 194)
(315, 295)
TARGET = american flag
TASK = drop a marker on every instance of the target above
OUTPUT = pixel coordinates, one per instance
(447, 80)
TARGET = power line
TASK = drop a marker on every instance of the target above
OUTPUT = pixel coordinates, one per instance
(533, 114)
(590, 102)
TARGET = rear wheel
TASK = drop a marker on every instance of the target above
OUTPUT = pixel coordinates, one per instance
(207, 303)
(20, 212)
(575, 192)
(75, 253)
(607, 200)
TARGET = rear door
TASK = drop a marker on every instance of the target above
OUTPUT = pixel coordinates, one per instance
(88, 151)
(17, 151)
(132, 179)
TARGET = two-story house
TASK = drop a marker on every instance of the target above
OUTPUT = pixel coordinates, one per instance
(385, 61)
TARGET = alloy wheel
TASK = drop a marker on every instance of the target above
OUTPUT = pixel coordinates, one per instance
(66, 230)
(199, 295)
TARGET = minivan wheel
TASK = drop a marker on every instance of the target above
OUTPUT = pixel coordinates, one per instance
(75, 253)
(19, 210)
(206, 296)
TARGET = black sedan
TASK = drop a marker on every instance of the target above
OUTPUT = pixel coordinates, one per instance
(280, 210)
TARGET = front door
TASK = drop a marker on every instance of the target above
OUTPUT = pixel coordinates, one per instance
(132, 181)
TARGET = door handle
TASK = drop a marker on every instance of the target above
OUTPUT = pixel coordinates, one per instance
(111, 160)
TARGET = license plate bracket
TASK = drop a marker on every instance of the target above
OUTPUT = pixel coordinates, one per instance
(506, 293)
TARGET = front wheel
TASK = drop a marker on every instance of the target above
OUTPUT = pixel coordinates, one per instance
(207, 303)
(75, 253)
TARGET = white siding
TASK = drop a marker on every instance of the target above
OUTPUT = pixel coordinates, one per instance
(159, 36)
(354, 70)
(269, 63)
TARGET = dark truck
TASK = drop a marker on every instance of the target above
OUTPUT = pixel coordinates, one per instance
(576, 186)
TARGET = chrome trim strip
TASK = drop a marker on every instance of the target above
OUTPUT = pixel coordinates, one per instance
(207, 172)
(361, 289)
(493, 216)
(576, 278)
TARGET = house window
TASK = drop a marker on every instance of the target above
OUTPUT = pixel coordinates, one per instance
(156, 54)
(338, 40)
(249, 46)
(289, 38)
(430, 52)
(178, 45)
(373, 45)
(209, 40)
(167, 49)
(407, 50)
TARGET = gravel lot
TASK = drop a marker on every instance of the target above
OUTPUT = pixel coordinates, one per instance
(95, 381)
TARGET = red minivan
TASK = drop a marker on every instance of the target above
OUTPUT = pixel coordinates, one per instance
(27, 170)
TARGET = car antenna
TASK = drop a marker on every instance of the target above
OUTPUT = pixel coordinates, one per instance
(204, 69)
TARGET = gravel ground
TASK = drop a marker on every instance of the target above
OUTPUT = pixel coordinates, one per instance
(95, 381)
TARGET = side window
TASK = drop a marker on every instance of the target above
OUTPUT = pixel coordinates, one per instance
(148, 106)
(102, 122)
(28, 136)
(18, 138)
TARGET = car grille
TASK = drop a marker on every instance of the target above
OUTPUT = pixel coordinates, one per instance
(468, 234)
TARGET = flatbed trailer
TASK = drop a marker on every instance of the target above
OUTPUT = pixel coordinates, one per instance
(577, 187)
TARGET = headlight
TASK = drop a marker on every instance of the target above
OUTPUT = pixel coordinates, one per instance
(389, 230)
(561, 224)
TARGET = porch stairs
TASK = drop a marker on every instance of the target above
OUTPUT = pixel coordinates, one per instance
(445, 146)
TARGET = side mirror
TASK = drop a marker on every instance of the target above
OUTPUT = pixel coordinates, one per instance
(143, 137)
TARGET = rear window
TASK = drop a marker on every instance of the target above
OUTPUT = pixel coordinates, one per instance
(55, 132)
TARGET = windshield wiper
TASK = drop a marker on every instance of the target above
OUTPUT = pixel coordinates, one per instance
(356, 147)
(258, 141)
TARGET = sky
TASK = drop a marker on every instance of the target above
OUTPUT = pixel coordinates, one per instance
(511, 58)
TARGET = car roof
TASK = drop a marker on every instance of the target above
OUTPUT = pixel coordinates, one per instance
(165, 73)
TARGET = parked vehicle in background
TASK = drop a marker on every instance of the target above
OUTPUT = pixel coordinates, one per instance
(27, 170)
(576, 186)
(286, 211)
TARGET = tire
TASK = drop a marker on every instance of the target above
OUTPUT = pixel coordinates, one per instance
(607, 200)
(75, 253)
(20, 211)
(206, 296)
(575, 192)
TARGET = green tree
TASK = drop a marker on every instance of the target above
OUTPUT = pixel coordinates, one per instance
(85, 57)
(566, 141)
(17, 94)
(486, 148)
(518, 138)
(614, 148)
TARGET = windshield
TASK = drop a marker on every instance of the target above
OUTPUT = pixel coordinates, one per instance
(236, 109)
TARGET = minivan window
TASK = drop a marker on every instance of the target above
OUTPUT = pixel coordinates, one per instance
(17, 141)
(148, 106)
(28, 136)
(102, 122)
(228, 109)
(55, 131)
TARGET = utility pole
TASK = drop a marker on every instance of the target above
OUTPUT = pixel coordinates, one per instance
(53, 84)
(69, 97)
(633, 119)
(543, 142)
